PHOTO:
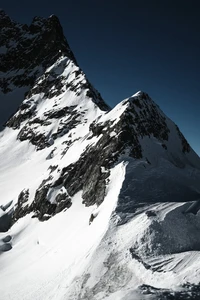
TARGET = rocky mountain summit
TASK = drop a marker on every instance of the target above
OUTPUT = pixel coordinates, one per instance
(27, 51)
(104, 201)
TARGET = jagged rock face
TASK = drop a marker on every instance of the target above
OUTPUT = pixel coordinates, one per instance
(26, 51)
(139, 119)
(58, 86)
(114, 140)
(112, 181)
(62, 109)
(38, 56)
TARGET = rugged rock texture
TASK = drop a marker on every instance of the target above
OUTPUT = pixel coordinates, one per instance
(42, 207)
(90, 172)
(189, 292)
(21, 206)
(27, 54)
(61, 108)
(140, 118)
(116, 182)
(185, 145)
(26, 51)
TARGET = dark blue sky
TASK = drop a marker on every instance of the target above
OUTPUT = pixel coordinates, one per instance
(126, 46)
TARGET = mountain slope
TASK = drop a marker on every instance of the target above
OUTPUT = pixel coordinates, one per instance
(27, 52)
(95, 203)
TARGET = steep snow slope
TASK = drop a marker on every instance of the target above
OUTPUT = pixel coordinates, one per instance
(26, 52)
(47, 256)
(151, 241)
(144, 242)
(95, 203)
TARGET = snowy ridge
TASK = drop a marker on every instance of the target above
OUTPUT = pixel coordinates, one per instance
(95, 203)
(26, 53)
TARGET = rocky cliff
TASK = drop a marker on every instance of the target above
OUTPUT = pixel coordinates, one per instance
(104, 201)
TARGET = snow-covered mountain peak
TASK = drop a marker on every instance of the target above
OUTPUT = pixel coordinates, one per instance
(37, 60)
(141, 94)
(138, 125)
(96, 203)
(31, 49)
(141, 97)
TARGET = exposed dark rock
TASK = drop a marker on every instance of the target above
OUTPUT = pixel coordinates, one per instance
(149, 123)
(43, 209)
(96, 129)
(16, 120)
(193, 208)
(39, 121)
(42, 45)
(51, 86)
(5, 247)
(148, 161)
(185, 145)
(52, 168)
(68, 144)
(31, 130)
(138, 258)
(39, 44)
(57, 113)
(33, 49)
(7, 239)
(6, 221)
(51, 154)
(86, 173)
(150, 213)
(164, 146)
(63, 201)
(90, 172)
(47, 181)
(37, 139)
(41, 206)
(186, 292)
(22, 206)
(7, 205)
(92, 217)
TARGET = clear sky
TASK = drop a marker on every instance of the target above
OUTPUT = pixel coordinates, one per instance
(125, 45)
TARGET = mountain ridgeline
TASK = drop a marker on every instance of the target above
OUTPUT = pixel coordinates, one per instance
(65, 142)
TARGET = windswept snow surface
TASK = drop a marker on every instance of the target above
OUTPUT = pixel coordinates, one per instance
(137, 162)
(103, 203)
(123, 248)
(47, 256)
(116, 271)
(140, 234)
(23, 167)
